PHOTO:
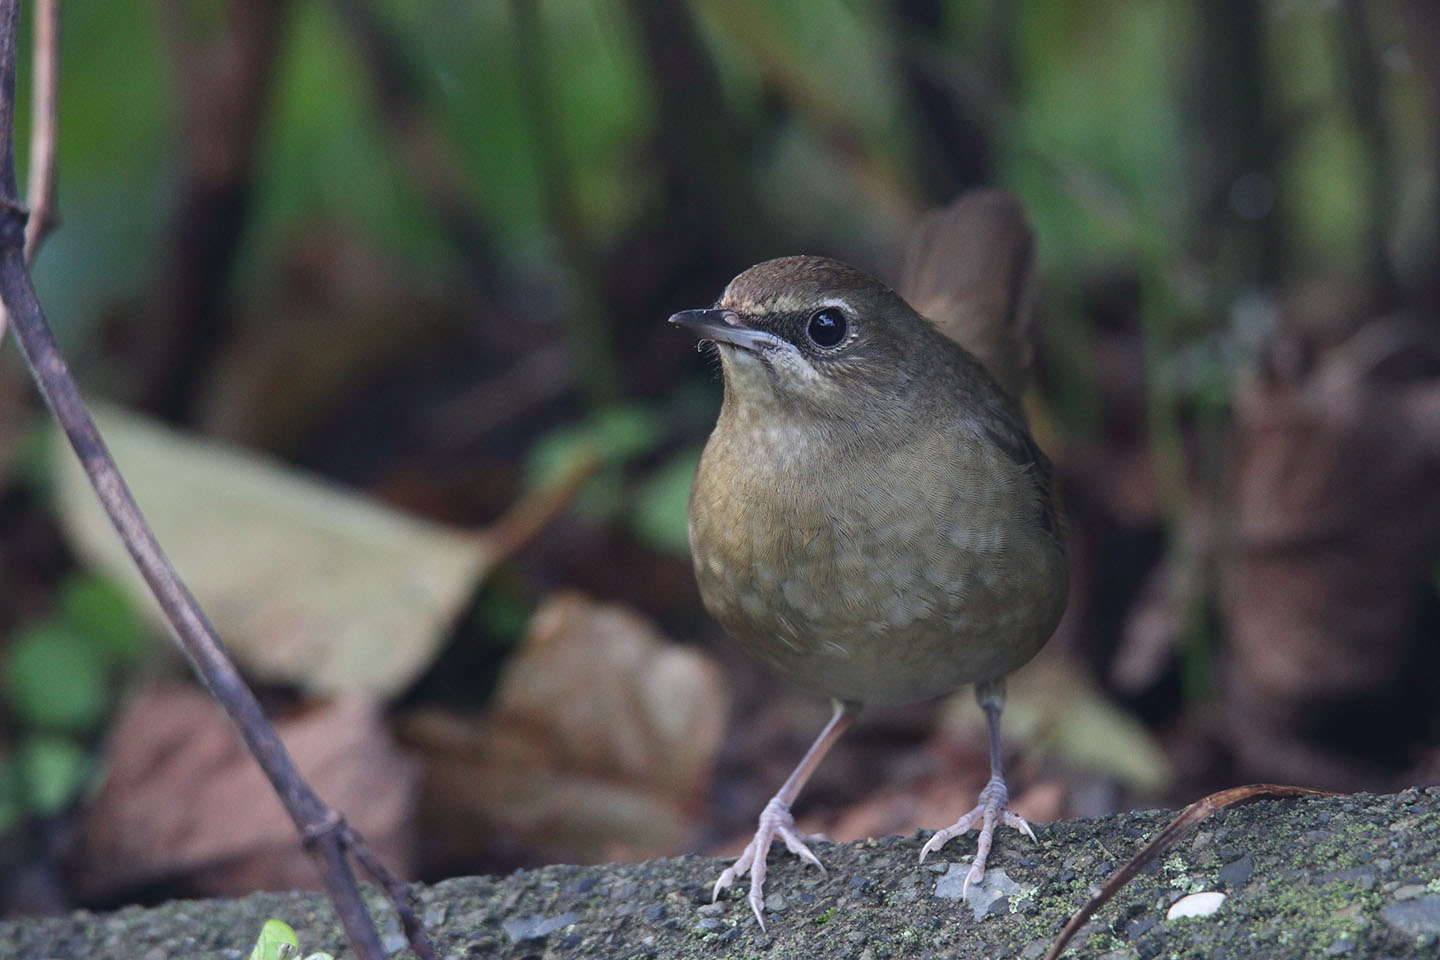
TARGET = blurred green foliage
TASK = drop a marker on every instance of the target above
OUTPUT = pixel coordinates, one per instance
(605, 442)
(661, 514)
(1204, 159)
(61, 678)
(1096, 124)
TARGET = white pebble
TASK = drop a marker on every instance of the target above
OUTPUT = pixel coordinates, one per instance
(1196, 905)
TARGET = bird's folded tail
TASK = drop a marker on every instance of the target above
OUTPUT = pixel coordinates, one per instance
(969, 269)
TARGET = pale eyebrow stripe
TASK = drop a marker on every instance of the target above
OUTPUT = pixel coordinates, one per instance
(789, 303)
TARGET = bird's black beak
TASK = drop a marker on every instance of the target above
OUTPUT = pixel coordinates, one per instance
(721, 326)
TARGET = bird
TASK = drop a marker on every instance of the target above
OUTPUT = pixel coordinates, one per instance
(871, 517)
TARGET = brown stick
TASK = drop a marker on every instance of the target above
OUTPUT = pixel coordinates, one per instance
(325, 832)
(40, 190)
(45, 100)
(1188, 819)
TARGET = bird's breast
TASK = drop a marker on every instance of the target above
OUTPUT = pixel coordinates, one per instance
(878, 573)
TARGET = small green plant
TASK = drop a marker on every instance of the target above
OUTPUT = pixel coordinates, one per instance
(279, 942)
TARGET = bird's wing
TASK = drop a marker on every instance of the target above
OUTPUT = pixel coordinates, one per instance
(970, 270)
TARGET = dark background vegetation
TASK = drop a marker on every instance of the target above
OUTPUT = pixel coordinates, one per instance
(426, 249)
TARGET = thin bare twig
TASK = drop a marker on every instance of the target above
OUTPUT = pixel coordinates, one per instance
(45, 108)
(45, 85)
(1188, 819)
(326, 835)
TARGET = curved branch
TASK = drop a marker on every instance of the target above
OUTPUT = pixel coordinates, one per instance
(40, 188)
(326, 835)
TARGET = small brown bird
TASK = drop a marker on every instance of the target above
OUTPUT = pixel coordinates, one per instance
(871, 517)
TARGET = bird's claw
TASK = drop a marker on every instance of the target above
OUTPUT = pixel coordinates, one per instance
(993, 809)
(775, 822)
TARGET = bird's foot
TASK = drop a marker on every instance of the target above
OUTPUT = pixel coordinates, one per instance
(775, 822)
(994, 808)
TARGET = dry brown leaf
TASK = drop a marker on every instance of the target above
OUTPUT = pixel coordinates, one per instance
(599, 745)
(306, 583)
(1335, 524)
(185, 805)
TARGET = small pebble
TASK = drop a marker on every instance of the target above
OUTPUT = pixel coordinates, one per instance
(1142, 926)
(1236, 873)
(1419, 917)
(1196, 905)
(535, 927)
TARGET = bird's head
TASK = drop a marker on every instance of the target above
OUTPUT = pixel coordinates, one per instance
(810, 336)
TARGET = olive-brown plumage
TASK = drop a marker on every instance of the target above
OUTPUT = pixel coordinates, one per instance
(870, 517)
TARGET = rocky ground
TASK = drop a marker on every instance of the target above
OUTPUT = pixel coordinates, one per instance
(1354, 876)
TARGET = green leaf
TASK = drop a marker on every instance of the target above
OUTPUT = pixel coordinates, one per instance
(610, 437)
(54, 769)
(55, 678)
(11, 801)
(277, 942)
(98, 610)
(42, 775)
(661, 517)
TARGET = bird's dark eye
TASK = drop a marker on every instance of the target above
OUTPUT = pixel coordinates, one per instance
(827, 327)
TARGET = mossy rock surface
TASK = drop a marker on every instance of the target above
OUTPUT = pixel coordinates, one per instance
(1354, 877)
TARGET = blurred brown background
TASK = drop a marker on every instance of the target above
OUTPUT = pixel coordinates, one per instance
(424, 251)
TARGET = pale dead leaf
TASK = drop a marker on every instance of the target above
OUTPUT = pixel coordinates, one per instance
(306, 583)
(184, 804)
(600, 743)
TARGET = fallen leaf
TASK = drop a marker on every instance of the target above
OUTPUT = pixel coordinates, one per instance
(1334, 529)
(185, 805)
(599, 744)
(306, 583)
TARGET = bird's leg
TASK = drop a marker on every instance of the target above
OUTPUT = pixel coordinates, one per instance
(994, 803)
(776, 821)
